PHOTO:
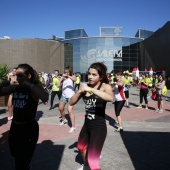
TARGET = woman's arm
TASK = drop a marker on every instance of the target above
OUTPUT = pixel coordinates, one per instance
(106, 94)
(73, 78)
(75, 98)
(60, 82)
(38, 92)
(6, 88)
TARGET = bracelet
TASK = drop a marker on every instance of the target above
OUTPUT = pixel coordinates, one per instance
(31, 86)
(91, 91)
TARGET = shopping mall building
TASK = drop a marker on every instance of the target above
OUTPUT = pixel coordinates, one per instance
(119, 53)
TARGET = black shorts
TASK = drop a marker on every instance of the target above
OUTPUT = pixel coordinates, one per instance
(118, 107)
(126, 94)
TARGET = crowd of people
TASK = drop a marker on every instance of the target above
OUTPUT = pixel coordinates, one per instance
(26, 88)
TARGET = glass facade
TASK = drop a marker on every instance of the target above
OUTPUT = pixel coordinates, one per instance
(110, 31)
(141, 33)
(117, 53)
(75, 33)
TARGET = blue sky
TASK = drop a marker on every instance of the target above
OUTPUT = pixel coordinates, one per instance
(44, 18)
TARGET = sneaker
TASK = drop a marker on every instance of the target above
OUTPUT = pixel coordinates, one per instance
(46, 103)
(83, 167)
(119, 130)
(116, 124)
(139, 106)
(10, 118)
(146, 108)
(148, 97)
(51, 108)
(157, 110)
(63, 122)
(160, 111)
(72, 129)
(128, 106)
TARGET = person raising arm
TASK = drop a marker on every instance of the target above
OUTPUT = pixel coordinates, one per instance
(24, 130)
(95, 95)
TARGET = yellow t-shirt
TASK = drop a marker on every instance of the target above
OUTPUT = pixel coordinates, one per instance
(55, 83)
(78, 79)
(111, 79)
(126, 81)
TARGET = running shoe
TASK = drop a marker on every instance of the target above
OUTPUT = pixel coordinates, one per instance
(72, 129)
(139, 106)
(157, 110)
(119, 130)
(128, 106)
(146, 108)
(63, 122)
(10, 118)
(83, 167)
(160, 111)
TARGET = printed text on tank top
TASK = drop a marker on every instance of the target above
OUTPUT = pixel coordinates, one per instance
(94, 106)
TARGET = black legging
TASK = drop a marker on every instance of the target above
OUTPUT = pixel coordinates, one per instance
(53, 94)
(91, 139)
(118, 107)
(143, 94)
(77, 86)
(22, 142)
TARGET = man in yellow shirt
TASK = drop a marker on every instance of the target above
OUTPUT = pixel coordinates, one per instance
(150, 84)
(78, 80)
(126, 91)
(112, 79)
(55, 88)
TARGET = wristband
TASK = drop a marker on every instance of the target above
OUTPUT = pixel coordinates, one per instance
(31, 86)
(91, 91)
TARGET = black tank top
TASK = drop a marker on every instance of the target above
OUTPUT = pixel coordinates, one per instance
(24, 106)
(95, 109)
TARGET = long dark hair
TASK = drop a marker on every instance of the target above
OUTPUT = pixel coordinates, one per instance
(29, 70)
(70, 70)
(102, 71)
(163, 77)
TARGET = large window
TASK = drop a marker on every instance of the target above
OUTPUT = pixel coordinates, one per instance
(117, 53)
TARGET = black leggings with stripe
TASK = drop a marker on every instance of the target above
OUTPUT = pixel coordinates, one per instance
(91, 140)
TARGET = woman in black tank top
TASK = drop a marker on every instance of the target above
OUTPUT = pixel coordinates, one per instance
(24, 130)
(93, 133)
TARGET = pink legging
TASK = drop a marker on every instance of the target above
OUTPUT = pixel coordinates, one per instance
(92, 139)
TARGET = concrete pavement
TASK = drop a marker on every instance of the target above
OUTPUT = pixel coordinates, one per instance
(144, 144)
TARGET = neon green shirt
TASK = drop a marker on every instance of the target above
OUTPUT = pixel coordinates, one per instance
(78, 79)
(55, 82)
(126, 81)
(111, 79)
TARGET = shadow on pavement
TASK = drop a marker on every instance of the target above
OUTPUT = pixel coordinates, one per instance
(47, 156)
(133, 104)
(39, 114)
(78, 157)
(112, 122)
(3, 121)
(148, 150)
(55, 106)
(2, 111)
(134, 94)
(6, 160)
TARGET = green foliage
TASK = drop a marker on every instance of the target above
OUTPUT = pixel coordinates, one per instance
(4, 70)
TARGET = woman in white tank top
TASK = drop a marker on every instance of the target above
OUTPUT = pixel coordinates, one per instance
(67, 83)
